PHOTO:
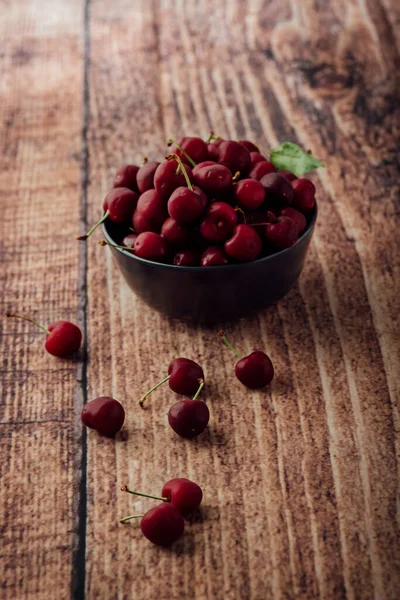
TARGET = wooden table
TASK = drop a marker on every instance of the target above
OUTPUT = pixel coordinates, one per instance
(301, 481)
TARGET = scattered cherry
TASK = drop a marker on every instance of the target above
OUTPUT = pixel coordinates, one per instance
(296, 216)
(186, 258)
(261, 168)
(213, 256)
(249, 193)
(245, 244)
(184, 494)
(63, 338)
(304, 195)
(145, 176)
(218, 222)
(151, 246)
(283, 233)
(118, 206)
(189, 418)
(235, 156)
(126, 177)
(104, 414)
(277, 188)
(183, 377)
(255, 370)
(162, 525)
(176, 234)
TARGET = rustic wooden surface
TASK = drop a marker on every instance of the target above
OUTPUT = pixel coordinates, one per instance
(301, 481)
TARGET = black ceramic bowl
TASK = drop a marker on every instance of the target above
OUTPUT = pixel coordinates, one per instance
(212, 294)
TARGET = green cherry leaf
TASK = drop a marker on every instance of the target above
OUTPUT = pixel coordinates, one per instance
(293, 158)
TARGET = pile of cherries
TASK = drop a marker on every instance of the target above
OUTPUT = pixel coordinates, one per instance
(208, 203)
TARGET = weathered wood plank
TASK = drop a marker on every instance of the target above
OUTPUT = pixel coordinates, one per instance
(40, 141)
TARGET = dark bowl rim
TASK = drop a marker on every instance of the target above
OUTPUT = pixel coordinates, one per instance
(181, 268)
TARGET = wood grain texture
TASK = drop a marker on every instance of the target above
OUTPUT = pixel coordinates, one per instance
(302, 480)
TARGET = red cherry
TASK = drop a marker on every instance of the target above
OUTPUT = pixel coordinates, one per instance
(283, 233)
(151, 246)
(189, 418)
(184, 376)
(166, 178)
(277, 188)
(218, 222)
(163, 524)
(104, 414)
(129, 240)
(152, 206)
(249, 193)
(296, 216)
(186, 258)
(304, 195)
(126, 177)
(186, 205)
(260, 169)
(63, 338)
(142, 224)
(213, 149)
(255, 370)
(194, 147)
(145, 176)
(205, 163)
(245, 244)
(213, 256)
(234, 156)
(288, 174)
(214, 178)
(256, 157)
(175, 233)
(249, 145)
(118, 206)
(184, 494)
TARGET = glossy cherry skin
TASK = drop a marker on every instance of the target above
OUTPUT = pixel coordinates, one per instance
(145, 176)
(296, 216)
(152, 206)
(194, 147)
(213, 256)
(288, 174)
(278, 189)
(184, 376)
(186, 205)
(261, 168)
(218, 222)
(104, 414)
(255, 370)
(213, 149)
(151, 246)
(126, 177)
(186, 258)
(121, 203)
(245, 244)
(64, 339)
(234, 156)
(249, 193)
(142, 224)
(129, 240)
(304, 195)
(214, 178)
(249, 145)
(189, 418)
(204, 163)
(175, 233)
(256, 157)
(163, 524)
(166, 180)
(184, 494)
(283, 233)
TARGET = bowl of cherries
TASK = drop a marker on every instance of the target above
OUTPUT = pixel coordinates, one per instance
(216, 230)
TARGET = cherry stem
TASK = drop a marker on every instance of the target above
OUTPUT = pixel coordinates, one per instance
(181, 166)
(103, 218)
(238, 209)
(9, 315)
(125, 519)
(143, 398)
(105, 243)
(236, 176)
(185, 154)
(126, 489)
(212, 136)
(144, 160)
(201, 382)
(228, 344)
